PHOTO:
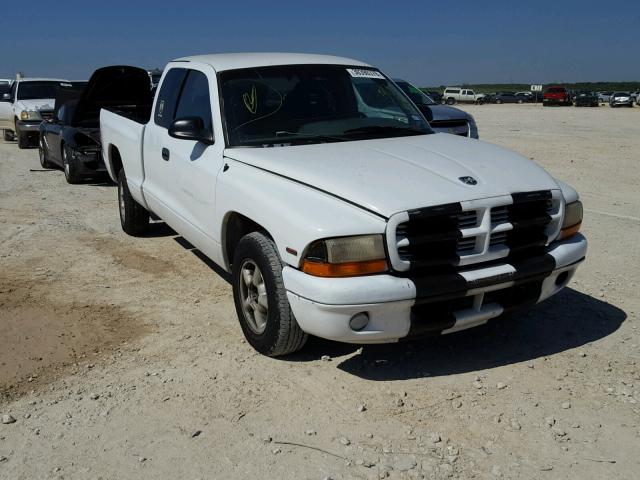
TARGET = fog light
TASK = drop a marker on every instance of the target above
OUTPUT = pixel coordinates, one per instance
(359, 321)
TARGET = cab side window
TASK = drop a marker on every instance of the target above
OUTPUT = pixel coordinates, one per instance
(195, 100)
(168, 97)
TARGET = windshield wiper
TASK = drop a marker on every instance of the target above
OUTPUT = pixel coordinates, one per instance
(310, 136)
(385, 129)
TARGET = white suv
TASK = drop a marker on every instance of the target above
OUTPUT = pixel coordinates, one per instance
(452, 95)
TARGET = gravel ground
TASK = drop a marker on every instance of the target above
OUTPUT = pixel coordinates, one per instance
(122, 357)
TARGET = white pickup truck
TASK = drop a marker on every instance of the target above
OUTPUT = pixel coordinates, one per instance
(317, 183)
(451, 95)
(30, 101)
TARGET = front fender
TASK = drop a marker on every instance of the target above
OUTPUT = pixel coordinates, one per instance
(294, 214)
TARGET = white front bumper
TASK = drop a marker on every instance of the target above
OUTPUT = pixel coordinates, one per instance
(324, 306)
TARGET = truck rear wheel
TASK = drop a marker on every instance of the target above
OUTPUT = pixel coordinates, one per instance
(261, 301)
(134, 218)
(451, 101)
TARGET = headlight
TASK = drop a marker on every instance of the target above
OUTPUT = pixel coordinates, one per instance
(29, 115)
(346, 256)
(572, 220)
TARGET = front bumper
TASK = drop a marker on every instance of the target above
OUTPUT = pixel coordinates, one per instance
(89, 161)
(32, 126)
(400, 307)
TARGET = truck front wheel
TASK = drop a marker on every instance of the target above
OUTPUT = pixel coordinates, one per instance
(261, 301)
(23, 139)
(8, 135)
(134, 218)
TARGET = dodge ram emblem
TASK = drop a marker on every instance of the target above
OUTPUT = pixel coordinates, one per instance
(468, 180)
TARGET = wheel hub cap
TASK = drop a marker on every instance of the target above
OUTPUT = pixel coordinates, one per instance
(253, 294)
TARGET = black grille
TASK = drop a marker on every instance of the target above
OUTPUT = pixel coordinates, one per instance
(46, 114)
(456, 127)
(529, 215)
(432, 234)
(431, 318)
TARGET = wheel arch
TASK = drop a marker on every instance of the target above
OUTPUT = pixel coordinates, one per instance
(114, 161)
(235, 225)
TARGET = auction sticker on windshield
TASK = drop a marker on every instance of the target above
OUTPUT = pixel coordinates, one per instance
(364, 73)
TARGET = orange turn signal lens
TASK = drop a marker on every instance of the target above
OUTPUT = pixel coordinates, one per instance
(349, 269)
(569, 231)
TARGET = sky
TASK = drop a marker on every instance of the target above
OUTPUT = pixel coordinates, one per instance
(428, 43)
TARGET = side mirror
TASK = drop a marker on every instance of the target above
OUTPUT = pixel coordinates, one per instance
(191, 128)
(6, 97)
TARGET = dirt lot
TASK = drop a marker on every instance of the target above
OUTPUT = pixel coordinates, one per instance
(122, 357)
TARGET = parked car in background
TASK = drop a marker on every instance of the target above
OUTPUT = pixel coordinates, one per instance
(525, 97)
(338, 212)
(586, 98)
(71, 138)
(620, 99)
(5, 99)
(452, 95)
(442, 118)
(435, 96)
(155, 75)
(604, 97)
(506, 97)
(487, 98)
(31, 101)
(556, 96)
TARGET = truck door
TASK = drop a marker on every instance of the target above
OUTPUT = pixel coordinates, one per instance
(6, 109)
(160, 181)
(191, 167)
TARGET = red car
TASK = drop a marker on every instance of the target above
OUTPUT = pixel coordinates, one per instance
(556, 96)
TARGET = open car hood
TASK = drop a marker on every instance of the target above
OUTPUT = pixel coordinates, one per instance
(111, 87)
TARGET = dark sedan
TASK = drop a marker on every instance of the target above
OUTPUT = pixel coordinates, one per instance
(442, 118)
(585, 98)
(71, 139)
(506, 97)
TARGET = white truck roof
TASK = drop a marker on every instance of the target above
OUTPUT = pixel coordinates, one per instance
(232, 61)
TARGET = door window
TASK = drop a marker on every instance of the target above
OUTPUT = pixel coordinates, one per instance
(195, 100)
(168, 97)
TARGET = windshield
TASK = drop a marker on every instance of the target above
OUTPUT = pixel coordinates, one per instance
(37, 90)
(416, 95)
(298, 104)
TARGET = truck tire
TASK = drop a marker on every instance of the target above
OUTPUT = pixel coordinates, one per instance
(261, 301)
(7, 135)
(70, 166)
(23, 139)
(498, 101)
(134, 218)
(451, 101)
(42, 153)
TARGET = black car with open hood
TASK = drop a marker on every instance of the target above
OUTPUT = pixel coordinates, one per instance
(71, 138)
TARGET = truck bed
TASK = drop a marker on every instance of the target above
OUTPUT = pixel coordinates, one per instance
(122, 137)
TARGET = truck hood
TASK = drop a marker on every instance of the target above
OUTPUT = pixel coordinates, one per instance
(391, 175)
(36, 104)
